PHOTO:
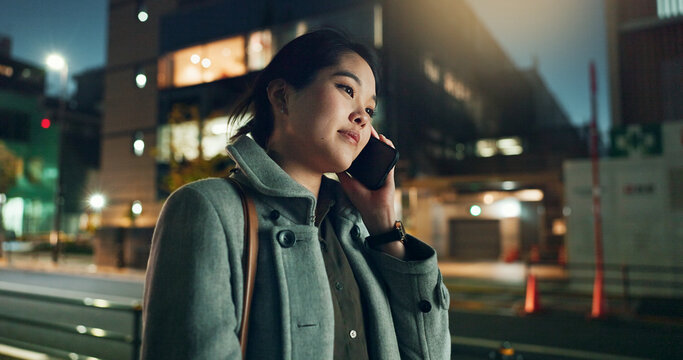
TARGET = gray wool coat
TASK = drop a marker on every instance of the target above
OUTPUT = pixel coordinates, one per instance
(193, 291)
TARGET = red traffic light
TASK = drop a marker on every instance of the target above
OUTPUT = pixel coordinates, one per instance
(45, 123)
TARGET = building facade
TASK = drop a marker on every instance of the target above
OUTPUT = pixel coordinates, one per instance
(450, 99)
(29, 204)
(645, 60)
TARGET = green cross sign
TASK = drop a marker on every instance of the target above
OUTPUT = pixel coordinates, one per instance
(643, 139)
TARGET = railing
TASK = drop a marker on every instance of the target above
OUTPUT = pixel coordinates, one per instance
(626, 276)
(28, 292)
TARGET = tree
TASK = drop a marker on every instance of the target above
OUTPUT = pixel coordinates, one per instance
(184, 170)
(8, 177)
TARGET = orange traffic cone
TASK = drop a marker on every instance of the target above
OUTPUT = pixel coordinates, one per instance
(532, 304)
(599, 308)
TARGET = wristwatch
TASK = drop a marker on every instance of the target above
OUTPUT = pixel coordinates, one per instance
(398, 233)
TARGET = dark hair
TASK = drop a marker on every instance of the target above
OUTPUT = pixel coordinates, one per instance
(297, 63)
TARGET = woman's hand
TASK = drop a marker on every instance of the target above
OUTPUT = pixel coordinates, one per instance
(375, 206)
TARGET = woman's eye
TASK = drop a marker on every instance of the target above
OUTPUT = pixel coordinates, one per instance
(370, 112)
(347, 89)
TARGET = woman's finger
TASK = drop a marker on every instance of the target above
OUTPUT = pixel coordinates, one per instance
(387, 141)
(373, 132)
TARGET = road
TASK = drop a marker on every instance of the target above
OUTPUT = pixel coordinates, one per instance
(89, 330)
(479, 324)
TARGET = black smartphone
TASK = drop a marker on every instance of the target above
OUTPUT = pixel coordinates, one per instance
(373, 164)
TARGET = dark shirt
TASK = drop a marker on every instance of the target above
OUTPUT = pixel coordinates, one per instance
(349, 329)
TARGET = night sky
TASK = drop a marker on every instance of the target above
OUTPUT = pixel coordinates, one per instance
(563, 35)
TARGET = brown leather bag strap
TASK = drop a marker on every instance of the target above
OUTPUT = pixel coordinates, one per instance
(249, 259)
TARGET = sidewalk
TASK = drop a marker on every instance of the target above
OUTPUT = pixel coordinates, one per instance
(478, 286)
(512, 274)
(68, 264)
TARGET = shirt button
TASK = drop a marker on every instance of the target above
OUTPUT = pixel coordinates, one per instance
(274, 215)
(353, 334)
(425, 306)
(338, 285)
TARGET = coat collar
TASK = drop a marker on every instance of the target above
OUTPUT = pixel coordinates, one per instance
(264, 174)
(267, 177)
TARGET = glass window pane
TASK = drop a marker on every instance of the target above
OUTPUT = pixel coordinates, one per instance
(260, 49)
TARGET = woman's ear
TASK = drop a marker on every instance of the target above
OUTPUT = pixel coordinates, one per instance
(277, 95)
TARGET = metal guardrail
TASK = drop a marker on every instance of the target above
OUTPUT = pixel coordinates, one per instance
(623, 274)
(133, 307)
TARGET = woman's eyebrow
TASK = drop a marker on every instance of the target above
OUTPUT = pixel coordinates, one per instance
(347, 74)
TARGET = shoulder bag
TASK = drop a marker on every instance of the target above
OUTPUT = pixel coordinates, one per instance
(249, 258)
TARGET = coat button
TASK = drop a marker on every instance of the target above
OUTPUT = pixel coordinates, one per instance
(425, 306)
(355, 232)
(274, 215)
(286, 238)
(353, 334)
(338, 285)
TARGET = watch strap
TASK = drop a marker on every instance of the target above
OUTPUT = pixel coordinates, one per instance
(395, 234)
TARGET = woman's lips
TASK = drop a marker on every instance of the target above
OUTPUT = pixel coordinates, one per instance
(352, 136)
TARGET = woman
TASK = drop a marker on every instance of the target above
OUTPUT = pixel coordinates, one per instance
(322, 289)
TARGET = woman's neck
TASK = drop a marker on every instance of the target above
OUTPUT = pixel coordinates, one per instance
(311, 180)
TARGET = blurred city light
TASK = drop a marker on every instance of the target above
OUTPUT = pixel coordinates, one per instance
(139, 147)
(141, 79)
(136, 208)
(509, 208)
(45, 123)
(486, 147)
(510, 146)
(97, 201)
(138, 144)
(206, 62)
(142, 14)
(195, 59)
(508, 185)
(530, 195)
(55, 62)
(475, 210)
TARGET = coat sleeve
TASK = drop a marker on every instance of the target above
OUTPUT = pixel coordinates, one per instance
(187, 313)
(419, 301)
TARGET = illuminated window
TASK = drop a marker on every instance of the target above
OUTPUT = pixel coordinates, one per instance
(259, 50)
(378, 26)
(486, 148)
(510, 146)
(6, 70)
(455, 87)
(301, 28)
(203, 63)
(180, 140)
(669, 8)
(214, 137)
(431, 70)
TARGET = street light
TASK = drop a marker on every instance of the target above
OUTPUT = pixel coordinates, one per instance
(57, 62)
(97, 201)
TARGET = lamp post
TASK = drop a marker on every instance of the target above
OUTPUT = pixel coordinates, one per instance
(57, 63)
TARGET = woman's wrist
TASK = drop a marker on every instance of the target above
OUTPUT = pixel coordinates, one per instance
(380, 223)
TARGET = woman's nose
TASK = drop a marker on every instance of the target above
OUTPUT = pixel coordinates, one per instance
(359, 118)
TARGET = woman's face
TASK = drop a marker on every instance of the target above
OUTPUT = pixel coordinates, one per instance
(327, 123)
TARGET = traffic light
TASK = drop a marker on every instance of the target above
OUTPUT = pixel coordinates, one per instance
(45, 123)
